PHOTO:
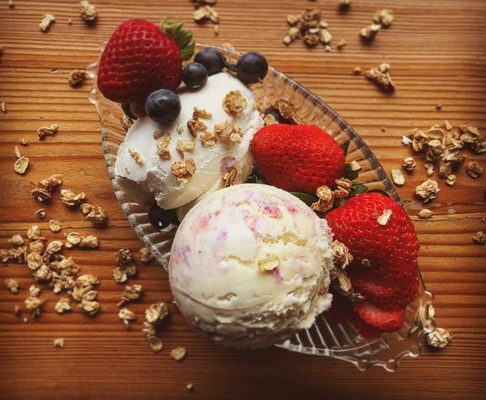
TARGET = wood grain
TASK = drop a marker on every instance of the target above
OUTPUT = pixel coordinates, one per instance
(436, 49)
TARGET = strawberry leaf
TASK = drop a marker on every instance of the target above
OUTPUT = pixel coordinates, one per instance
(182, 37)
(349, 173)
(357, 188)
(345, 147)
(305, 197)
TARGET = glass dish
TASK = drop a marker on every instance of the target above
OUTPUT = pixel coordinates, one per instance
(341, 341)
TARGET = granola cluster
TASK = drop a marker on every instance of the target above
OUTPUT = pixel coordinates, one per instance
(205, 11)
(382, 19)
(47, 131)
(309, 27)
(326, 196)
(443, 147)
(125, 266)
(46, 22)
(87, 12)
(77, 77)
(381, 77)
(155, 314)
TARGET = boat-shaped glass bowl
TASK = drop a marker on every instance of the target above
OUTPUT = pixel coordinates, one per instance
(342, 341)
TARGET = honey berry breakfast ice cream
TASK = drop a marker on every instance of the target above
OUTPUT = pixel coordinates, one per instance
(178, 162)
(250, 266)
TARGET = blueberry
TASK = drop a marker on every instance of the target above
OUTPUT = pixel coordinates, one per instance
(251, 67)
(160, 218)
(211, 59)
(163, 106)
(195, 75)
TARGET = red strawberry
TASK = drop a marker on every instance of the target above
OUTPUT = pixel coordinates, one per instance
(385, 320)
(138, 60)
(297, 158)
(390, 282)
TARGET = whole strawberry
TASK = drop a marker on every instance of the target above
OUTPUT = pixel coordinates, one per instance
(382, 240)
(138, 60)
(297, 158)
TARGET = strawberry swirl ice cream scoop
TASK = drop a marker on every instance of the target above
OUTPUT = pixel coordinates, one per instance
(250, 266)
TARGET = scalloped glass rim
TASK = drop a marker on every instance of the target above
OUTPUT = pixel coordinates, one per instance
(341, 341)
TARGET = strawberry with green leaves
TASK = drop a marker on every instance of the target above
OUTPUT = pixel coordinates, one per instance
(141, 57)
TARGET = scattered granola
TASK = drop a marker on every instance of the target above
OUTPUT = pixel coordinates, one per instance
(34, 232)
(369, 32)
(12, 285)
(384, 17)
(89, 242)
(125, 122)
(343, 187)
(190, 387)
(438, 106)
(150, 333)
(145, 255)
(451, 180)
(17, 152)
(156, 313)
(381, 77)
(63, 305)
(439, 338)
(162, 144)
(408, 164)
(365, 262)
(196, 125)
(94, 214)
(229, 177)
(126, 316)
(473, 169)
(21, 165)
(125, 266)
(178, 354)
(185, 145)
(59, 343)
(228, 132)
(17, 240)
(3, 105)
(131, 293)
(357, 71)
(10, 3)
(23, 142)
(384, 217)
(70, 199)
(341, 255)
(88, 12)
(234, 103)
(46, 22)
(33, 303)
(72, 239)
(479, 237)
(90, 307)
(325, 199)
(341, 44)
(54, 226)
(206, 12)
(47, 131)
(425, 213)
(137, 156)
(309, 27)
(77, 77)
(397, 177)
(428, 190)
(183, 170)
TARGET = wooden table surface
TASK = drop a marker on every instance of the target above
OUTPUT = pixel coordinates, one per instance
(436, 50)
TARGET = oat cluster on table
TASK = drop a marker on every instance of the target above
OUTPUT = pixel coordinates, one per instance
(88, 12)
(444, 149)
(205, 11)
(310, 28)
(382, 19)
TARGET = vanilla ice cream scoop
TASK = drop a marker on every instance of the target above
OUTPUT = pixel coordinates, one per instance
(250, 266)
(141, 171)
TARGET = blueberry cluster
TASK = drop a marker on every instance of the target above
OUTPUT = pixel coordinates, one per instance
(164, 106)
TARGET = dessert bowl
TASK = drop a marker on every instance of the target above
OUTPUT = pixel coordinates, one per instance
(325, 338)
